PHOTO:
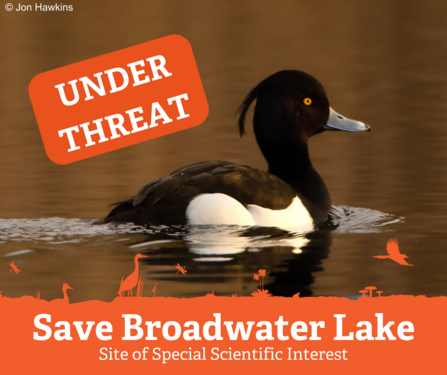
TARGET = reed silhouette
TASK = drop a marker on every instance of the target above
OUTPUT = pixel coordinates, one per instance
(64, 300)
(260, 278)
(154, 289)
(392, 248)
(261, 292)
(131, 281)
(140, 287)
(256, 277)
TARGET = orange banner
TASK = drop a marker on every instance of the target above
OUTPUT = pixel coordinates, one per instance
(119, 99)
(223, 334)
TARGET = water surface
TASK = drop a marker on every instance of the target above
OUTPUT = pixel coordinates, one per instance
(381, 62)
(222, 259)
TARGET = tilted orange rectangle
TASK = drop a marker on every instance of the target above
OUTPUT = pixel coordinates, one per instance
(118, 99)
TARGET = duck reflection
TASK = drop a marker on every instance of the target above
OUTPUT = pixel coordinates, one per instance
(225, 258)
(296, 273)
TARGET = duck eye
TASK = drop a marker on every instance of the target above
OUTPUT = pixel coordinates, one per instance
(307, 101)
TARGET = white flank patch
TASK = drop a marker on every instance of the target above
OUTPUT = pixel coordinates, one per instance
(221, 209)
(217, 209)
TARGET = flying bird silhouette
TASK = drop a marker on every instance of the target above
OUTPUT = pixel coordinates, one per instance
(392, 248)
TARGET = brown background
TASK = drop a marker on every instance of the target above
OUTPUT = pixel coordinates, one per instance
(381, 62)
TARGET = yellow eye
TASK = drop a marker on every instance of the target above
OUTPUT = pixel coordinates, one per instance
(307, 101)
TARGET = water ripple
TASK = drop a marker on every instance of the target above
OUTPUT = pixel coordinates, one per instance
(225, 239)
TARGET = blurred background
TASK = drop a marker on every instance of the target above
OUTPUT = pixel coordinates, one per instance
(381, 62)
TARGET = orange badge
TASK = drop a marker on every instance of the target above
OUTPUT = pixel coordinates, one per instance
(118, 99)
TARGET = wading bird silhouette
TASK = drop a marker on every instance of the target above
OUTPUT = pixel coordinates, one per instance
(64, 290)
(131, 281)
(392, 248)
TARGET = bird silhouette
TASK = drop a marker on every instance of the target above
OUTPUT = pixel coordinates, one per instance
(131, 281)
(392, 248)
(64, 290)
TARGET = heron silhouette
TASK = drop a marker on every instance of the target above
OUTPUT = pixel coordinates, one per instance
(392, 248)
(64, 290)
(131, 281)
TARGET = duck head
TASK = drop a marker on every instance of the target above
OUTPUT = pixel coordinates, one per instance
(66, 286)
(291, 107)
(138, 256)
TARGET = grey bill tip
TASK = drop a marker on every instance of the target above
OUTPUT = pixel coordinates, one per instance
(338, 122)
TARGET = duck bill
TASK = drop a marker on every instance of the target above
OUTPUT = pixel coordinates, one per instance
(342, 123)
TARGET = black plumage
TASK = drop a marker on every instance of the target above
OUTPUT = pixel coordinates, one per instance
(282, 122)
